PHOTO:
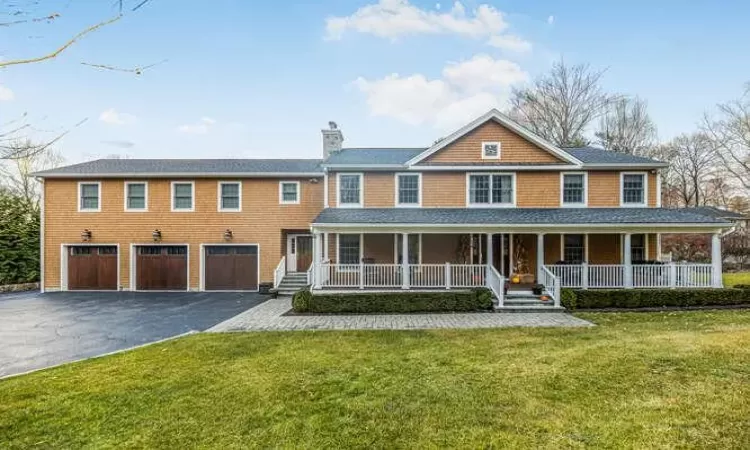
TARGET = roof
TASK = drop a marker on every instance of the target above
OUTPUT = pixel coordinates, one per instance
(187, 167)
(514, 216)
(596, 155)
(377, 156)
(719, 213)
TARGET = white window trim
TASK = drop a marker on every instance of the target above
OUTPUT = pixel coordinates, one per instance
(361, 191)
(490, 205)
(499, 150)
(645, 190)
(145, 196)
(281, 193)
(218, 196)
(585, 190)
(398, 176)
(361, 251)
(585, 246)
(397, 249)
(99, 193)
(192, 193)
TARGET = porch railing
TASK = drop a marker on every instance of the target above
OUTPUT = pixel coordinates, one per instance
(551, 284)
(609, 276)
(279, 272)
(496, 283)
(425, 276)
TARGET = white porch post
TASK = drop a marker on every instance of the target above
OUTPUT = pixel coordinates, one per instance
(716, 261)
(658, 247)
(539, 256)
(510, 256)
(490, 255)
(316, 260)
(325, 246)
(404, 261)
(627, 262)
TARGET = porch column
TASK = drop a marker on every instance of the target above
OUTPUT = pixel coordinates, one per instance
(490, 259)
(539, 256)
(626, 259)
(658, 247)
(716, 261)
(325, 246)
(315, 282)
(404, 261)
(510, 255)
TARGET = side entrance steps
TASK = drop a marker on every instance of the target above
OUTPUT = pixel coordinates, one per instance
(526, 302)
(291, 283)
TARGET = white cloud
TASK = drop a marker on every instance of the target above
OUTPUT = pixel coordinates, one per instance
(113, 117)
(465, 90)
(203, 126)
(394, 18)
(510, 42)
(551, 20)
(6, 94)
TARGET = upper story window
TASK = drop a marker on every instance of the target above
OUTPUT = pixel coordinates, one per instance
(89, 196)
(289, 192)
(573, 189)
(182, 196)
(408, 189)
(136, 196)
(491, 189)
(350, 189)
(230, 196)
(490, 150)
(633, 189)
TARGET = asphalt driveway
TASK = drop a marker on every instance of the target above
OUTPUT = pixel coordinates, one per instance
(41, 330)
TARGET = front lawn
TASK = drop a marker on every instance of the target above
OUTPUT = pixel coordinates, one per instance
(638, 380)
(730, 279)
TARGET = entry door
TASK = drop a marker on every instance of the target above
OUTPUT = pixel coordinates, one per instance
(304, 253)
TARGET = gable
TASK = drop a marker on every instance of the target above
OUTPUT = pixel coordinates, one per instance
(514, 148)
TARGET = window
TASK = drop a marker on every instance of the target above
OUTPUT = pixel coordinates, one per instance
(490, 150)
(230, 196)
(289, 192)
(415, 247)
(408, 189)
(135, 196)
(182, 196)
(496, 189)
(348, 249)
(350, 189)
(573, 251)
(637, 248)
(88, 197)
(574, 189)
(634, 189)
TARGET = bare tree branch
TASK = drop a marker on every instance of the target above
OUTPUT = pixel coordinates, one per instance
(627, 127)
(135, 70)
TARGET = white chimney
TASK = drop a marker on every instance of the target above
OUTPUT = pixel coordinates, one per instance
(332, 139)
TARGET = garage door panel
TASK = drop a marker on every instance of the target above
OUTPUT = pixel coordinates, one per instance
(92, 268)
(161, 268)
(230, 268)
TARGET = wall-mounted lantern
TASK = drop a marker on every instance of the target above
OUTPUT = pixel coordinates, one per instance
(86, 235)
(156, 234)
(228, 235)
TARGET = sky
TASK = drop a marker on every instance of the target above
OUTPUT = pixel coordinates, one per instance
(251, 79)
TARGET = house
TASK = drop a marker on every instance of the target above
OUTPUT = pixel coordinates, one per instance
(488, 203)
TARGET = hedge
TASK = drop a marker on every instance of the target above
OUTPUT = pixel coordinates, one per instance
(652, 298)
(393, 302)
(742, 286)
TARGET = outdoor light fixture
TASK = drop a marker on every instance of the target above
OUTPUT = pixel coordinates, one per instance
(228, 235)
(156, 234)
(86, 235)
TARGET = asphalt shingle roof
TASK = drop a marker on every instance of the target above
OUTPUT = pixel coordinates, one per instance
(373, 155)
(514, 216)
(187, 166)
(595, 155)
(719, 213)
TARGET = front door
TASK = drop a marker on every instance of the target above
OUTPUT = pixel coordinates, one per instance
(304, 253)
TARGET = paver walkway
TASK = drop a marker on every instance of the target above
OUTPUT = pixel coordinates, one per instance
(269, 316)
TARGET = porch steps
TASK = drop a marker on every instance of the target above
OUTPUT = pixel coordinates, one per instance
(526, 301)
(292, 282)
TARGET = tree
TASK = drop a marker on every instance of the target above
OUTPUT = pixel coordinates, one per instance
(693, 164)
(16, 173)
(627, 127)
(561, 104)
(19, 240)
(736, 245)
(730, 133)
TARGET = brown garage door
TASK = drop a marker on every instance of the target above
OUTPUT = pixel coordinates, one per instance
(231, 268)
(92, 267)
(161, 267)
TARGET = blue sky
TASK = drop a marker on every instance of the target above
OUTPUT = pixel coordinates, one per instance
(259, 79)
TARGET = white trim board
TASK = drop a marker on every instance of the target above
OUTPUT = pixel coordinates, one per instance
(219, 185)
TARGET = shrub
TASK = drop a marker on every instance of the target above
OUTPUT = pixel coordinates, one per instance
(398, 302)
(645, 298)
(568, 298)
(742, 286)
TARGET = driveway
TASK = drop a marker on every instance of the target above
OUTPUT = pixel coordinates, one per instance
(41, 330)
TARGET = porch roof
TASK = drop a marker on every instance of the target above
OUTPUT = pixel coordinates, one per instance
(517, 216)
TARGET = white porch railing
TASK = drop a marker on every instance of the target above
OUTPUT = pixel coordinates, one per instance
(551, 284)
(421, 276)
(612, 276)
(496, 283)
(279, 272)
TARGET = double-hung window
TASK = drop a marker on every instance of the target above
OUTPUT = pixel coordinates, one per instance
(182, 196)
(350, 189)
(289, 192)
(408, 189)
(637, 248)
(89, 196)
(136, 196)
(574, 248)
(230, 196)
(491, 189)
(349, 249)
(633, 189)
(574, 189)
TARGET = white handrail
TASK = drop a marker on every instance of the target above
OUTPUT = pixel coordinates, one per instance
(496, 283)
(614, 276)
(551, 285)
(310, 274)
(279, 272)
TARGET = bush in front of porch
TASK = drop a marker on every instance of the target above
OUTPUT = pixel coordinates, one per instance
(393, 302)
(652, 298)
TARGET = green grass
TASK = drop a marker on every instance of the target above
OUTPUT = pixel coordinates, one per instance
(730, 279)
(638, 380)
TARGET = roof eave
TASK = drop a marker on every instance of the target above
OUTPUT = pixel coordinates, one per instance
(179, 175)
